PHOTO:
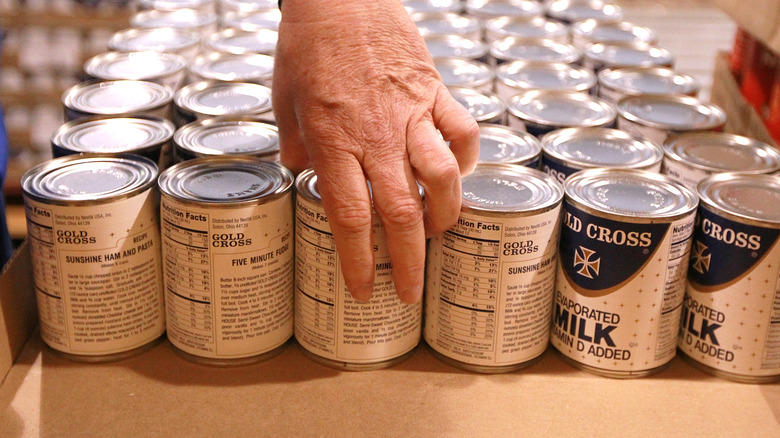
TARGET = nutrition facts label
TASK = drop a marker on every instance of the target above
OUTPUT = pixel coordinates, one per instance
(489, 288)
(228, 277)
(97, 274)
(328, 321)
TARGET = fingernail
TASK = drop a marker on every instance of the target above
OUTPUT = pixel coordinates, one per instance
(412, 294)
(362, 292)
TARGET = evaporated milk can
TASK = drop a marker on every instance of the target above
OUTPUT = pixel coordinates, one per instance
(332, 327)
(489, 279)
(95, 252)
(227, 234)
(731, 316)
(625, 243)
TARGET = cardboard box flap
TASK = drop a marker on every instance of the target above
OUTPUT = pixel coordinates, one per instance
(18, 315)
(759, 17)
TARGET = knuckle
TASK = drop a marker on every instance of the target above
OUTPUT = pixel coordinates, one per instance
(401, 214)
(351, 217)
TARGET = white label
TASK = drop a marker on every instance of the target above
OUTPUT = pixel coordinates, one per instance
(690, 176)
(656, 135)
(228, 277)
(489, 288)
(98, 280)
(328, 321)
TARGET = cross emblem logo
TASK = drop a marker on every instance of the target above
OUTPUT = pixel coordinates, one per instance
(701, 262)
(590, 268)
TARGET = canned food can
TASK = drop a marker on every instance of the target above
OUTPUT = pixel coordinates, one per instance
(489, 279)
(414, 6)
(465, 73)
(163, 39)
(693, 157)
(117, 98)
(595, 31)
(203, 23)
(239, 42)
(163, 68)
(572, 11)
(447, 23)
(332, 327)
(95, 253)
(227, 233)
(141, 135)
(252, 20)
(173, 5)
(226, 6)
(569, 150)
(501, 144)
(542, 111)
(517, 77)
(526, 28)
(625, 243)
(731, 317)
(656, 117)
(226, 136)
(598, 56)
(225, 67)
(485, 107)
(522, 49)
(615, 84)
(487, 9)
(456, 46)
(206, 99)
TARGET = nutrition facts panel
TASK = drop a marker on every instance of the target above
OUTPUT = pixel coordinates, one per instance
(188, 277)
(469, 287)
(316, 280)
(43, 256)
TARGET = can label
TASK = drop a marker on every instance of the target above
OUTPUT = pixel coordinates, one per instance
(731, 316)
(489, 288)
(228, 277)
(620, 290)
(688, 175)
(328, 321)
(97, 272)
(656, 135)
(556, 169)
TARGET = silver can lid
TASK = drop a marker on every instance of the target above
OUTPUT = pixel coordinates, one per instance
(601, 147)
(671, 112)
(596, 31)
(455, 46)
(571, 11)
(246, 5)
(413, 6)
(561, 108)
(485, 9)
(113, 135)
(483, 106)
(527, 75)
(445, 23)
(616, 55)
(173, 5)
(502, 144)
(228, 136)
(525, 49)
(162, 39)
(722, 152)
(754, 199)
(630, 193)
(648, 80)
(179, 19)
(88, 180)
(252, 20)
(225, 180)
(224, 98)
(226, 67)
(116, 97)
(466, 73)
(146, 65)
(506, 188)
(239, 42)
(525, 27)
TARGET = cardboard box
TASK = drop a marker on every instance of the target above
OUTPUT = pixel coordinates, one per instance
(759, 17)
(160, 394)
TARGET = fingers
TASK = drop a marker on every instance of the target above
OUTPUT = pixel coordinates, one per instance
(459, 128)
(292, 149)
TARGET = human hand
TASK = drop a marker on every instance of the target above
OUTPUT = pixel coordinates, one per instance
(356, 97)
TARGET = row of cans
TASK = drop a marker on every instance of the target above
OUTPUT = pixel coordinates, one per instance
(597, 267)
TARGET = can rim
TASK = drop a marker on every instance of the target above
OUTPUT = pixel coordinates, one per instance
(610, 53)
(525, 141)
(160, 131)
(523, 8)
(78, 96)
(480, 73)
(193, 18)
(496, 108)
(186, 98)
(604, 116)
(467, 48)
(567, 53)
(203, 66)
(715, 116)
(544, 192)
(714, 189)
(645, 152)
(177, 39)
(589, 28)
(684, 84)
(582, 79)
(243, 19)
(189, 137)
(468, 25)
(497, 27)
(99, 66)
(231, 41)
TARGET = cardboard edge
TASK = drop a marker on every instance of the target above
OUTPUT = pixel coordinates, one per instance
(18, 313)
(761, 18)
